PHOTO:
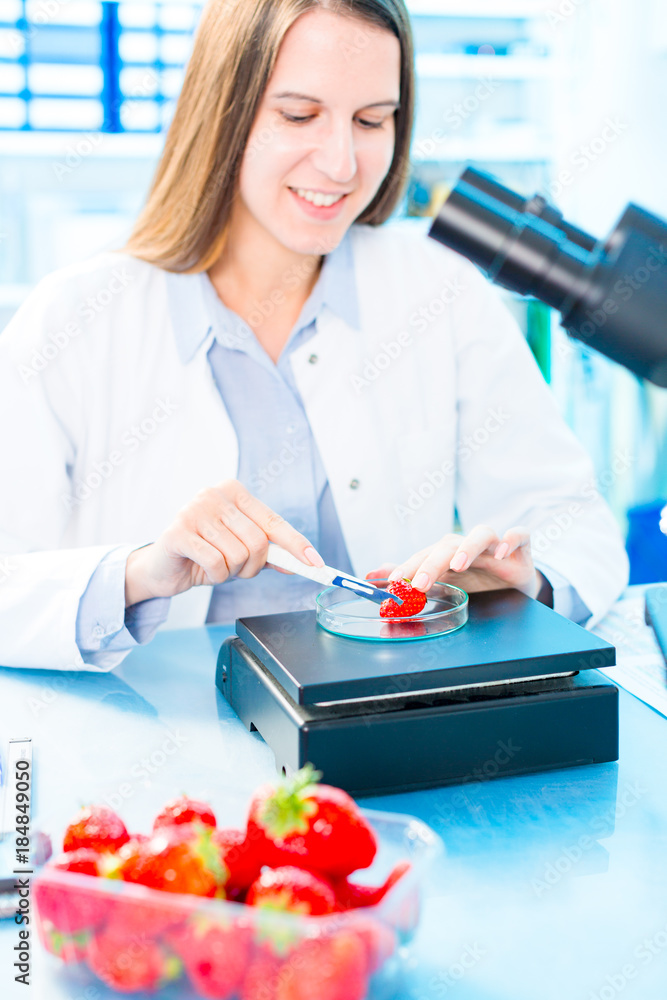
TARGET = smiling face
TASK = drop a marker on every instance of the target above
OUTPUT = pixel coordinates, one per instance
(323, 138)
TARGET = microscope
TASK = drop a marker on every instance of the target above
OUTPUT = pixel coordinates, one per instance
(611, 294)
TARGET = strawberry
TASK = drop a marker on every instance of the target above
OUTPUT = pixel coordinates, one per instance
(184, 810)
(71, 909)
(67, 947)
(329, 968)
(240, 858)
(311, 826)
(131, 962)
(137, 916)
(179, 858)
(413, 600)
(393, 629)
(96, 827)
(215, 954)
(263, 975)
(350, 895)
(293, 889)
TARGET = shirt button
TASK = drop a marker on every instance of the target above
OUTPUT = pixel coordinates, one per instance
(354, 484)
(98, 631)
(313, 359)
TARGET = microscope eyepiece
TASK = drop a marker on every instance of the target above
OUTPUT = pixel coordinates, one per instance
(611, 294)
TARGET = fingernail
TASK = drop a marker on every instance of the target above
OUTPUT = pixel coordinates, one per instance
(502, 551)
(313, 557)
(458, 562)
(421, 581)
(395, 575)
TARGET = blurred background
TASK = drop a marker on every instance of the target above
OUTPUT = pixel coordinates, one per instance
(561, 97)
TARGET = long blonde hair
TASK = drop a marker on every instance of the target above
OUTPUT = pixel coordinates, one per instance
(184, 222)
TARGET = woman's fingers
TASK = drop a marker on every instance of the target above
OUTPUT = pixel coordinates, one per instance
(453, 553)
(232, 547)
(209, 558)
(276, 528)
(427, 565)
(477, 541)
(513, 539)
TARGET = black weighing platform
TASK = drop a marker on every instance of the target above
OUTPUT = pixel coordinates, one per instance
(515, 690)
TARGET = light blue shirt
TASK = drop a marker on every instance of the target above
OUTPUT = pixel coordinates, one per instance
(278, 462)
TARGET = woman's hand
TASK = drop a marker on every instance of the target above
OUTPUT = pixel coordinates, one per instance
(477, 561)
(223, 532)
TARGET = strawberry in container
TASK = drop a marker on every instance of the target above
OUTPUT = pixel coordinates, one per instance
(277, 911)
(300, 822)
(68, 919)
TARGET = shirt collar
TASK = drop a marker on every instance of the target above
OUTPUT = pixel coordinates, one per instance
(190, 311)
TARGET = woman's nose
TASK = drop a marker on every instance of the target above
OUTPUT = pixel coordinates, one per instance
(336, 156)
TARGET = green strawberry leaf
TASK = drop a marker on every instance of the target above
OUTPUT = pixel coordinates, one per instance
(209, 854)
(288, 809)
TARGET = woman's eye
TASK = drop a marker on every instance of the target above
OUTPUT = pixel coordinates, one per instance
(367, 124)
(296, 118)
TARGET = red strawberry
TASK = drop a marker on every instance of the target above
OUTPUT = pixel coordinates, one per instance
(66, 947)
(184, 810)
(215, 954)
(96, 827)
(128, 963)
(329, 968)
(413, 600)
(137, 916)
(239, 857)
(311, 826)
(263, 975)
(350, 895)
(70, 909)
(176, 859)
(403, 630)
(293, 889)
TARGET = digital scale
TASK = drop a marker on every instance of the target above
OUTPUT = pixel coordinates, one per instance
(513, 689)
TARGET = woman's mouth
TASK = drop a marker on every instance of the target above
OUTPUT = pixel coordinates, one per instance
(318, 204)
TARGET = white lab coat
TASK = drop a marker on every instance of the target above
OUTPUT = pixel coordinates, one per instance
(106, 434)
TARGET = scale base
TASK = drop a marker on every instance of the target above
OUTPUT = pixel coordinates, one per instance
(377, 746)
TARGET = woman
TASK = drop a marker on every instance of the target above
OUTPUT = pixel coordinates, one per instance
(349, 388)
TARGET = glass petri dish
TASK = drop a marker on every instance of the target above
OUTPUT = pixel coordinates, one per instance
(339, 612)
